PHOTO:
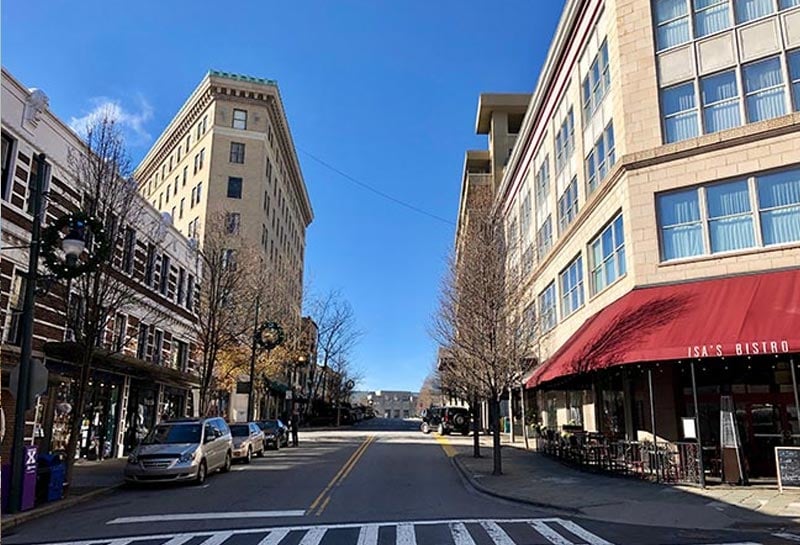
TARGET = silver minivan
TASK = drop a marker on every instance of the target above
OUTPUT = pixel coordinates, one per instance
(181, 450)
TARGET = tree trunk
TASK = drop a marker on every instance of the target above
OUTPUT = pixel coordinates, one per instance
(497, 467)
(476, 439)
(524, 416)
(77, 416)
(511, 413)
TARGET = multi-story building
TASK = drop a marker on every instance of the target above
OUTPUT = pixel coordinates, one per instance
(228, 153)
(144, 367)
(652, 199)
(388, 403)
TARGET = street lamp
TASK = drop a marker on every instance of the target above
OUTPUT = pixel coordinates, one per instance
(73, 246)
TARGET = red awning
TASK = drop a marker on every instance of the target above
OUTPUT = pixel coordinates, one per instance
(742, 315)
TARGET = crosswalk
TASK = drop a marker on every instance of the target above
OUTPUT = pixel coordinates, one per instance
(542, 531)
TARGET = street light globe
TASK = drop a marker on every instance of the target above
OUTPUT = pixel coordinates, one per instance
(73, 245)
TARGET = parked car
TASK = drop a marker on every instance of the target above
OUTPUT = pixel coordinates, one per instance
(248, 440)
(181, 450)
(446, 420)
(276, 434)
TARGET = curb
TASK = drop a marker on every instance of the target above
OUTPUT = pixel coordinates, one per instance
(489, 492)
(740, 526)
(15, 520)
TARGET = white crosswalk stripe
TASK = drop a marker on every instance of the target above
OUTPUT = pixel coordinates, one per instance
(497, 534)
(549, 534)
(460, 534)
(406, 535)
(368, 535)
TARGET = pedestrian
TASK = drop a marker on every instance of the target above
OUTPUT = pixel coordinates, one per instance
(295, 424)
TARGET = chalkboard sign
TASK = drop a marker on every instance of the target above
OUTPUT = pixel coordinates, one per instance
(787, 461)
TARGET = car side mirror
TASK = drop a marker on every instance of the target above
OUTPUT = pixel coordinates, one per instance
(210, 436)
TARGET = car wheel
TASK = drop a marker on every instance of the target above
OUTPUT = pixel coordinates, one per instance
(440, 429)
(425, 428)
(227, 465)
(202, 473)
(249, 457)
(260, 453)
(465, 432)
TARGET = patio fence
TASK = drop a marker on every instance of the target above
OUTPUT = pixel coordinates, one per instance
(667, 462)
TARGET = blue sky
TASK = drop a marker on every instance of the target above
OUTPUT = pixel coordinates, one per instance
(385, 91)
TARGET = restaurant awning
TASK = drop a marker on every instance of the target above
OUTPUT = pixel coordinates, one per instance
(742, 315)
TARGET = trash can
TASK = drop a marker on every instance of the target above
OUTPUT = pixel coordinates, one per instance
(29, 470)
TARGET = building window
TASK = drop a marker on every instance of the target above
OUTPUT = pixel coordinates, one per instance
(199, 192)
(571, 280)
(150, 265)
(565, 141)
(596, 83)
(793, 60)
(193, 198)
(544, 236)
(180, 208)
(547, 308)
(8, 156)
(764, 91)
(720, 96)
(232, 222)
(239, 119)
(730, 216)
(202, 158)
(672, 22)
(120, 332)
(228, 259)
(575, 407)
(681, 224)
(234, 188)
(568, 205)
(711, 16)
(525, 216)
(181, 286)
(163, 279)
(786, 4)
(779, 206)
(680, 113)
(180, 358)
(542, 180)
(190, 293)
(600, 159)
(185, 175)
(607, 256)
(237, 152)
(158, 346)
(141, 341)
(747, 10)
(129, 250)
(196, 163)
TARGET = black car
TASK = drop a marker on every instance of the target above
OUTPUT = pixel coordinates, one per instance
(446, 420)
(276, 434)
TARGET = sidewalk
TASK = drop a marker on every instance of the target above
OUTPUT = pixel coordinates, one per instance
(533, 478)
(90, 479)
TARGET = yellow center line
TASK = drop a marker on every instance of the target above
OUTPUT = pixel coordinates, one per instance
(324, 505)
(448, 449)
(348, 464)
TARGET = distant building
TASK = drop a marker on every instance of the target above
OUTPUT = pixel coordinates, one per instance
(388, 403)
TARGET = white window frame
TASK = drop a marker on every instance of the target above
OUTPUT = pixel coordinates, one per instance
(239, 119)
(565, 140)
(548, 315)
(618, 248)
(597, 90)
(568, 290)
(781, 85)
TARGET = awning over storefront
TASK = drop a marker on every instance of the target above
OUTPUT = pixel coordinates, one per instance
(737, 316)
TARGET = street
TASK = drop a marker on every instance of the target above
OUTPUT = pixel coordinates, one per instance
(382, 482)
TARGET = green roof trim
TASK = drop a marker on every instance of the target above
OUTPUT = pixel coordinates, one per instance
(242, 77)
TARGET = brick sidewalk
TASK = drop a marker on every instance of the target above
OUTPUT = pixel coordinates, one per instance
(533, 478)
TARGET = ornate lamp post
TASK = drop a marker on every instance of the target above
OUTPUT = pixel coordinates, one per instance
(69, 266)
(266, 336)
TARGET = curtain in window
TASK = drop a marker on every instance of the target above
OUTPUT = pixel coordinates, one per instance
(680, 115)
(779, 199)
(713, 18)
(747, 10)
(764, 80)
(720, 102)
(786, 4)
(681, 229)
(675, 32)
(730, 220)
(793, 60)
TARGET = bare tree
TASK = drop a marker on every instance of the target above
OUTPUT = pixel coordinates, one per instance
(102, 175)
(479, 322)
(226, 300)
(337, 333)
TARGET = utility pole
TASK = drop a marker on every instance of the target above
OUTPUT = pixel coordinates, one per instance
(254, 347)
(23, 386)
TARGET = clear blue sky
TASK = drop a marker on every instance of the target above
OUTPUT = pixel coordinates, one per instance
(385, 91)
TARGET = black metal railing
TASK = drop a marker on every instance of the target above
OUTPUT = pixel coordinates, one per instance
(667, 462)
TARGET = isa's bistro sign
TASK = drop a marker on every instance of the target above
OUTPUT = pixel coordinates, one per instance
(748, 348)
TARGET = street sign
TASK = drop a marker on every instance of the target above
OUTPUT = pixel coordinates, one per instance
(38, 382)
(289, 395)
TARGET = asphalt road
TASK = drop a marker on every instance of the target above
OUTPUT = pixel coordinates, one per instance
(382, 483)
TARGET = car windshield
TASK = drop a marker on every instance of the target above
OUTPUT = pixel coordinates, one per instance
(173, 434)
(268, 424)
(240, 430)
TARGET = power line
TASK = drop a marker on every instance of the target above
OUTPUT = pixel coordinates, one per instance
(378, 192)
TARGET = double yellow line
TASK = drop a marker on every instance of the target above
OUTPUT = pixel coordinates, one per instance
(321, 502)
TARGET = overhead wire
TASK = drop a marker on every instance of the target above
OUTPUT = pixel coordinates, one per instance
(374, 190)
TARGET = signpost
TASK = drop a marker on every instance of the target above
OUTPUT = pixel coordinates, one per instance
(787, 464)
